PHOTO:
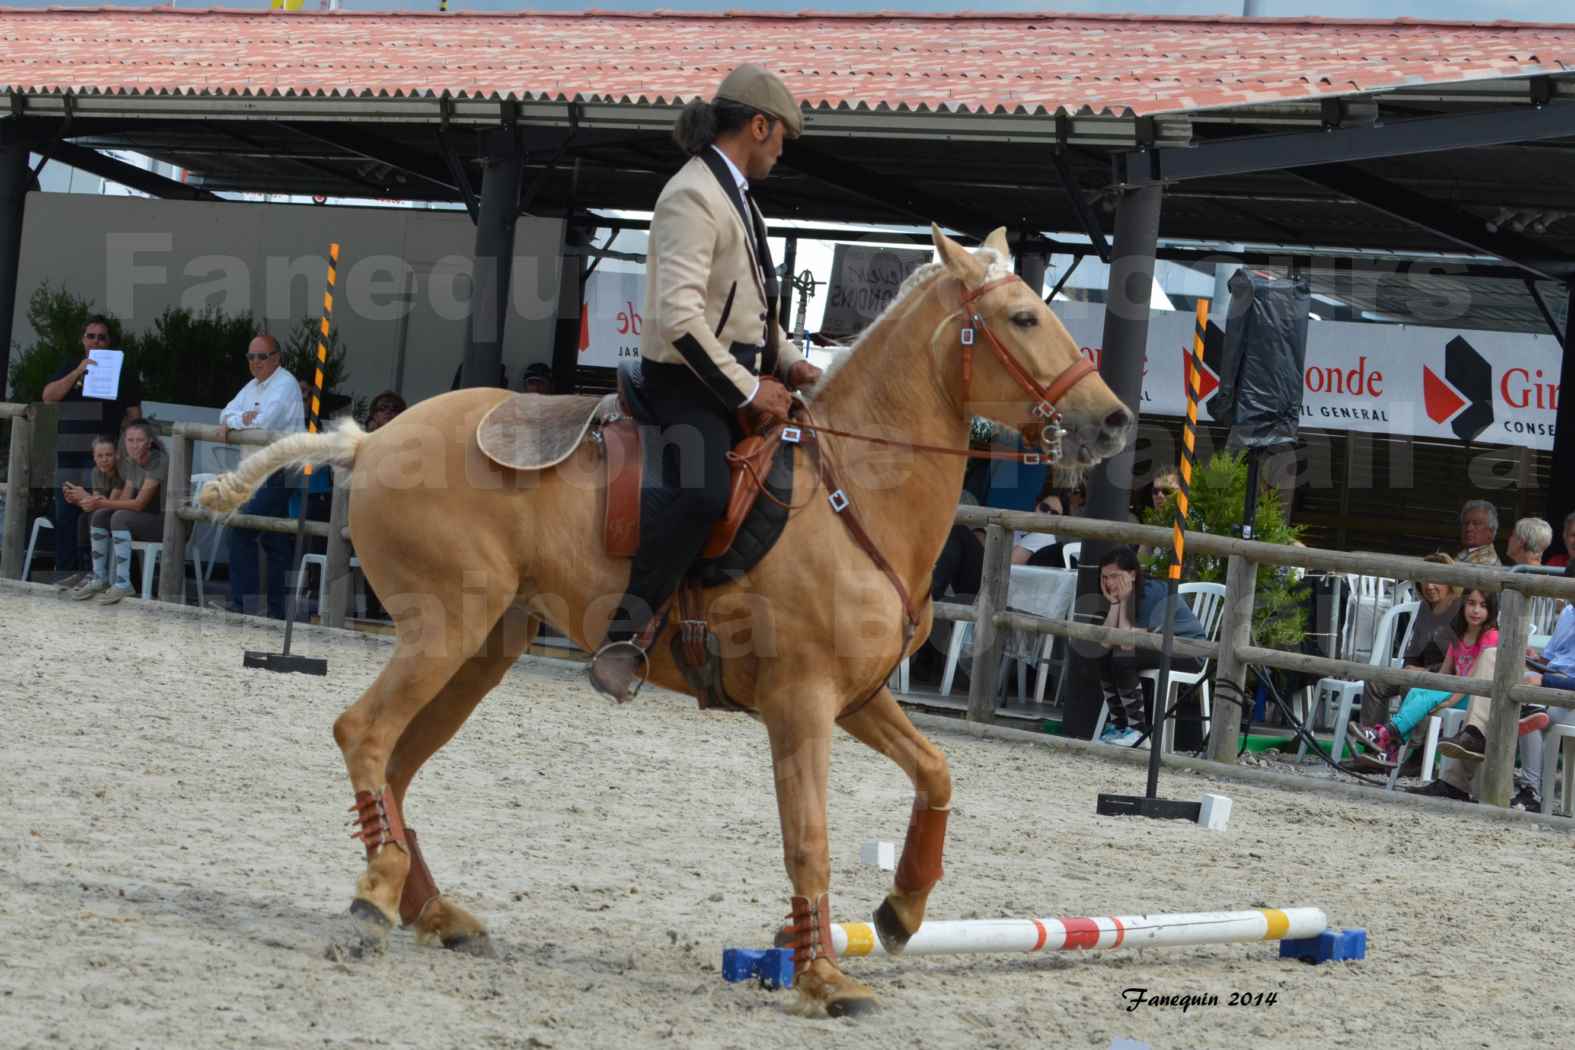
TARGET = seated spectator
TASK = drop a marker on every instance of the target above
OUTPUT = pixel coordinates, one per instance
(105, 481)
(1568, 535)
(384, 407)
(1166, 484)
(134, 511)
(1026, 544)
(1530, 538)
(1473, 655)
(1478, 533)
(538, 379)
(1432, 634)
(1135, 604)
(1558, 658)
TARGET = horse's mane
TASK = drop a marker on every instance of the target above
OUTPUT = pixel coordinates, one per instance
(996, 265)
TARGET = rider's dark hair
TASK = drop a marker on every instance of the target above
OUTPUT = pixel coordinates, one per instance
(700, 123)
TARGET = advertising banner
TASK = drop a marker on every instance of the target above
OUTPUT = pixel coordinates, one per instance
(1498, 388)
(610, 320)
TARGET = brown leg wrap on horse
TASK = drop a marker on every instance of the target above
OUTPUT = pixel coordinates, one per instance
(810, 933)
(380, 823)
(920, 867)
(420, 889)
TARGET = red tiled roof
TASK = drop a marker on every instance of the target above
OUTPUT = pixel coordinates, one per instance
(1002, 62)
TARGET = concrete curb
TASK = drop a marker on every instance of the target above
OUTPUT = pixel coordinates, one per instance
(1242, 774)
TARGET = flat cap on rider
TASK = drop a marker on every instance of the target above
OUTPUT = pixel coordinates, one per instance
(760, 89)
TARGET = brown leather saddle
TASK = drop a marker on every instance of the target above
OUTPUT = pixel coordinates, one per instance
(752, 462)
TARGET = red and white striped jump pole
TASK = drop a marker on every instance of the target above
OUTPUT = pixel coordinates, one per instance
(972, 936)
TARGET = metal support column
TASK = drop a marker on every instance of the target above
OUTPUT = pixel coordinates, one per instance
(14, 181)
(1559, 496)
(489, 303)
(1031, 268)
(1121, 367)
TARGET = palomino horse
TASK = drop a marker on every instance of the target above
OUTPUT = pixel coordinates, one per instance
(471, 557)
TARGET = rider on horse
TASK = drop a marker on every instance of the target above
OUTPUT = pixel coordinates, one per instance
(712, 353)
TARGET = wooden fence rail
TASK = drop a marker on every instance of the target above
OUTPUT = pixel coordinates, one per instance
(1234, 651)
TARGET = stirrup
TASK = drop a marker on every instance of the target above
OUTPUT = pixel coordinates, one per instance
(640, 676)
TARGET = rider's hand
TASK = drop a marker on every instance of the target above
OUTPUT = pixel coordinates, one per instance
(771, 400)
(803, 374)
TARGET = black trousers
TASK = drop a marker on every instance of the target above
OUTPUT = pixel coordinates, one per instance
(1107, 668)
(686, 488)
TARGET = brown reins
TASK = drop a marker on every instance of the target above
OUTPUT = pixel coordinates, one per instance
(1044, 411)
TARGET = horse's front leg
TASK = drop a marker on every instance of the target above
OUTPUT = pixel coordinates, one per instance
(884, 726)
(800, 734)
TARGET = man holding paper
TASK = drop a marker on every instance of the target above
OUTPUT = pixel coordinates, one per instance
(74, 441)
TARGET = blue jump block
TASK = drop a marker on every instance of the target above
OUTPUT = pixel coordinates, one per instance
(773, 966)
(1328, 946)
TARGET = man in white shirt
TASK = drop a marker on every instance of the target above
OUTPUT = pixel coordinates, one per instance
(271, 401)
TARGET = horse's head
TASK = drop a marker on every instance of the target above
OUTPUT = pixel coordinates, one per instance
(1019, 364)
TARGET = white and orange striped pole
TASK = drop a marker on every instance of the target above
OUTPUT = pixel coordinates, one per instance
(1067, 933)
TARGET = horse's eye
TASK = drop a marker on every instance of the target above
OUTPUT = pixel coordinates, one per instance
(1025, 319)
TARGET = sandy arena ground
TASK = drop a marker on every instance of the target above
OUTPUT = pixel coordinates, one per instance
(173, 852)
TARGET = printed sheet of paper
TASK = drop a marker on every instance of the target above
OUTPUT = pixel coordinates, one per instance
(103, 379)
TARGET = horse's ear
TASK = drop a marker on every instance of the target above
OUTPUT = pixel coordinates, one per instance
(997, 242)
(958, 261)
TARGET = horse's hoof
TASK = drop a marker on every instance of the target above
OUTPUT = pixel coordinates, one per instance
(476, 944)
(893, 934)
(364, 934)
(861, 1006)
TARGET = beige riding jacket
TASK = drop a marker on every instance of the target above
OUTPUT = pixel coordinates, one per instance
(708, 303)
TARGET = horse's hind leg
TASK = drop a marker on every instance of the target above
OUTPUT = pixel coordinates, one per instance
(436, 639)
(884, 726)
(421, 906)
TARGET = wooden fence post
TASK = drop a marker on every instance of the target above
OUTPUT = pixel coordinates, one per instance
(1514, 628)
(19, 482)
(989, 642)
(1230, 674)
(336, 569)
(172, 580)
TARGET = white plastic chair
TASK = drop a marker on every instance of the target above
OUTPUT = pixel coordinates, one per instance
(151, 551)
(1371, 591)
(1071, 553)
(1208, 605)
(1560, 739)
(39, 524)
(1348, 690)
(321, 561)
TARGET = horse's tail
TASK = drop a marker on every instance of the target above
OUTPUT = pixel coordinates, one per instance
(338, 447)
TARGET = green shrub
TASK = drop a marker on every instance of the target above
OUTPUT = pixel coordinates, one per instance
(193, 359)
(1218, 494)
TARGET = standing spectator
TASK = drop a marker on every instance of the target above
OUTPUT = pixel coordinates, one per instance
(538, 379)
(1166, 484)
(105, 481)
(66, 385)
(271, 401)
(135, 511)
(384, 407)
(1478, 532)
(1568, 535)
(1531, 537)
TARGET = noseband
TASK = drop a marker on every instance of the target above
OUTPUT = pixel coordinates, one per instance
(1046, 416)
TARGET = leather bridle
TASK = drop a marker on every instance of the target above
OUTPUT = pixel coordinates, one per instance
(1046, 417)
(1043, 429)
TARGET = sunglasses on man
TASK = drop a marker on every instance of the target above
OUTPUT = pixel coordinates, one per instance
(260, 357)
